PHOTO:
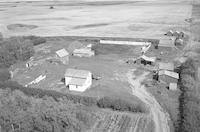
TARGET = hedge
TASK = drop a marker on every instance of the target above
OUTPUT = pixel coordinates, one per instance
(105, 102)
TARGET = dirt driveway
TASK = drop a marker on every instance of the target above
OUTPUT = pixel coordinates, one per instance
(160, 117)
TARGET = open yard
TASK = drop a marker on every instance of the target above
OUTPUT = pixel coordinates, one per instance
(108, 64)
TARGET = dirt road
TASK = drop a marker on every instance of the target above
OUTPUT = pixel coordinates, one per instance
(160, 117)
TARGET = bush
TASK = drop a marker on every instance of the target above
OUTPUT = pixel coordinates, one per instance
(118, 104)
(15, 49)
(189, 99)
(89, 101)
(35, 40)
(105, 102)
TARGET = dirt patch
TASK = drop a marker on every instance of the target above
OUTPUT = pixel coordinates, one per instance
(20, 27)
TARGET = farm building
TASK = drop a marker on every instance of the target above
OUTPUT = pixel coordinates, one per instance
(74, 45)
(179, 41)
(179, 61)
(173, 86)
(145, 60)
(168, 76)
(166, 42)
(78, 80)
(169, 33)
(63, 56)
(165, 66)
(84, 52)
(124, 42)
(178, 34)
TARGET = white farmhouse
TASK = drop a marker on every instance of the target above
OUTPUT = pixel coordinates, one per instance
(63, 56)
(78, 80)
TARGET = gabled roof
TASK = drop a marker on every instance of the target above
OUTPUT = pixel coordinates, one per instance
(166, 42)
(82, 51)
(77, 81)
(166, 66)
(169, 73)
(75, 73)
(74, 45)
(62, 53)
(152, 59)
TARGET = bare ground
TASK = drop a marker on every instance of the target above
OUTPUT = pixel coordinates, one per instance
(159, 116)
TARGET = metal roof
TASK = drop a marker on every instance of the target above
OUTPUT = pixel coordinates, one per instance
(75, 73)
(152, 59)
(166, 66)
(169, 73)
(166, 42)
(82, 51)
(62, 53)
(74, 45)
(77, 81)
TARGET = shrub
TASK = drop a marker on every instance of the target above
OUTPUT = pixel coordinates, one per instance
(15, 49)
(189, 99)
(105, 102)
(119, 104)
(35, 39)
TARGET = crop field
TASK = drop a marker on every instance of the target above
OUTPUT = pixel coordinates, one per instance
(123, 123)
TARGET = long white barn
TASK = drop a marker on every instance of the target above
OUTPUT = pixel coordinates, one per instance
(124, 42)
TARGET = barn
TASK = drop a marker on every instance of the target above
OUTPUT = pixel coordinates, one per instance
(169, 33)
(145, 60)
(165, 66)
(84, 51)
(78, 80)
(63, 56)
(168, 77)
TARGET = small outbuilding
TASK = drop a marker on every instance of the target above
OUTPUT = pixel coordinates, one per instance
(166, 42)
(169, 33)
(165, 66)
(173, 86)
(178, 41)
(168, 76)
(146, 60)
(84, 52)
(178, 34)
(74, 45)
(78, 80)
(63, 56)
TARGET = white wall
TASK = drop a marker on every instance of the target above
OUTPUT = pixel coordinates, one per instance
(67, 79)
(87, 84)
(123, 42)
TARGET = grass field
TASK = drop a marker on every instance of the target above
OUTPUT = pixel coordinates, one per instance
(149, 19)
